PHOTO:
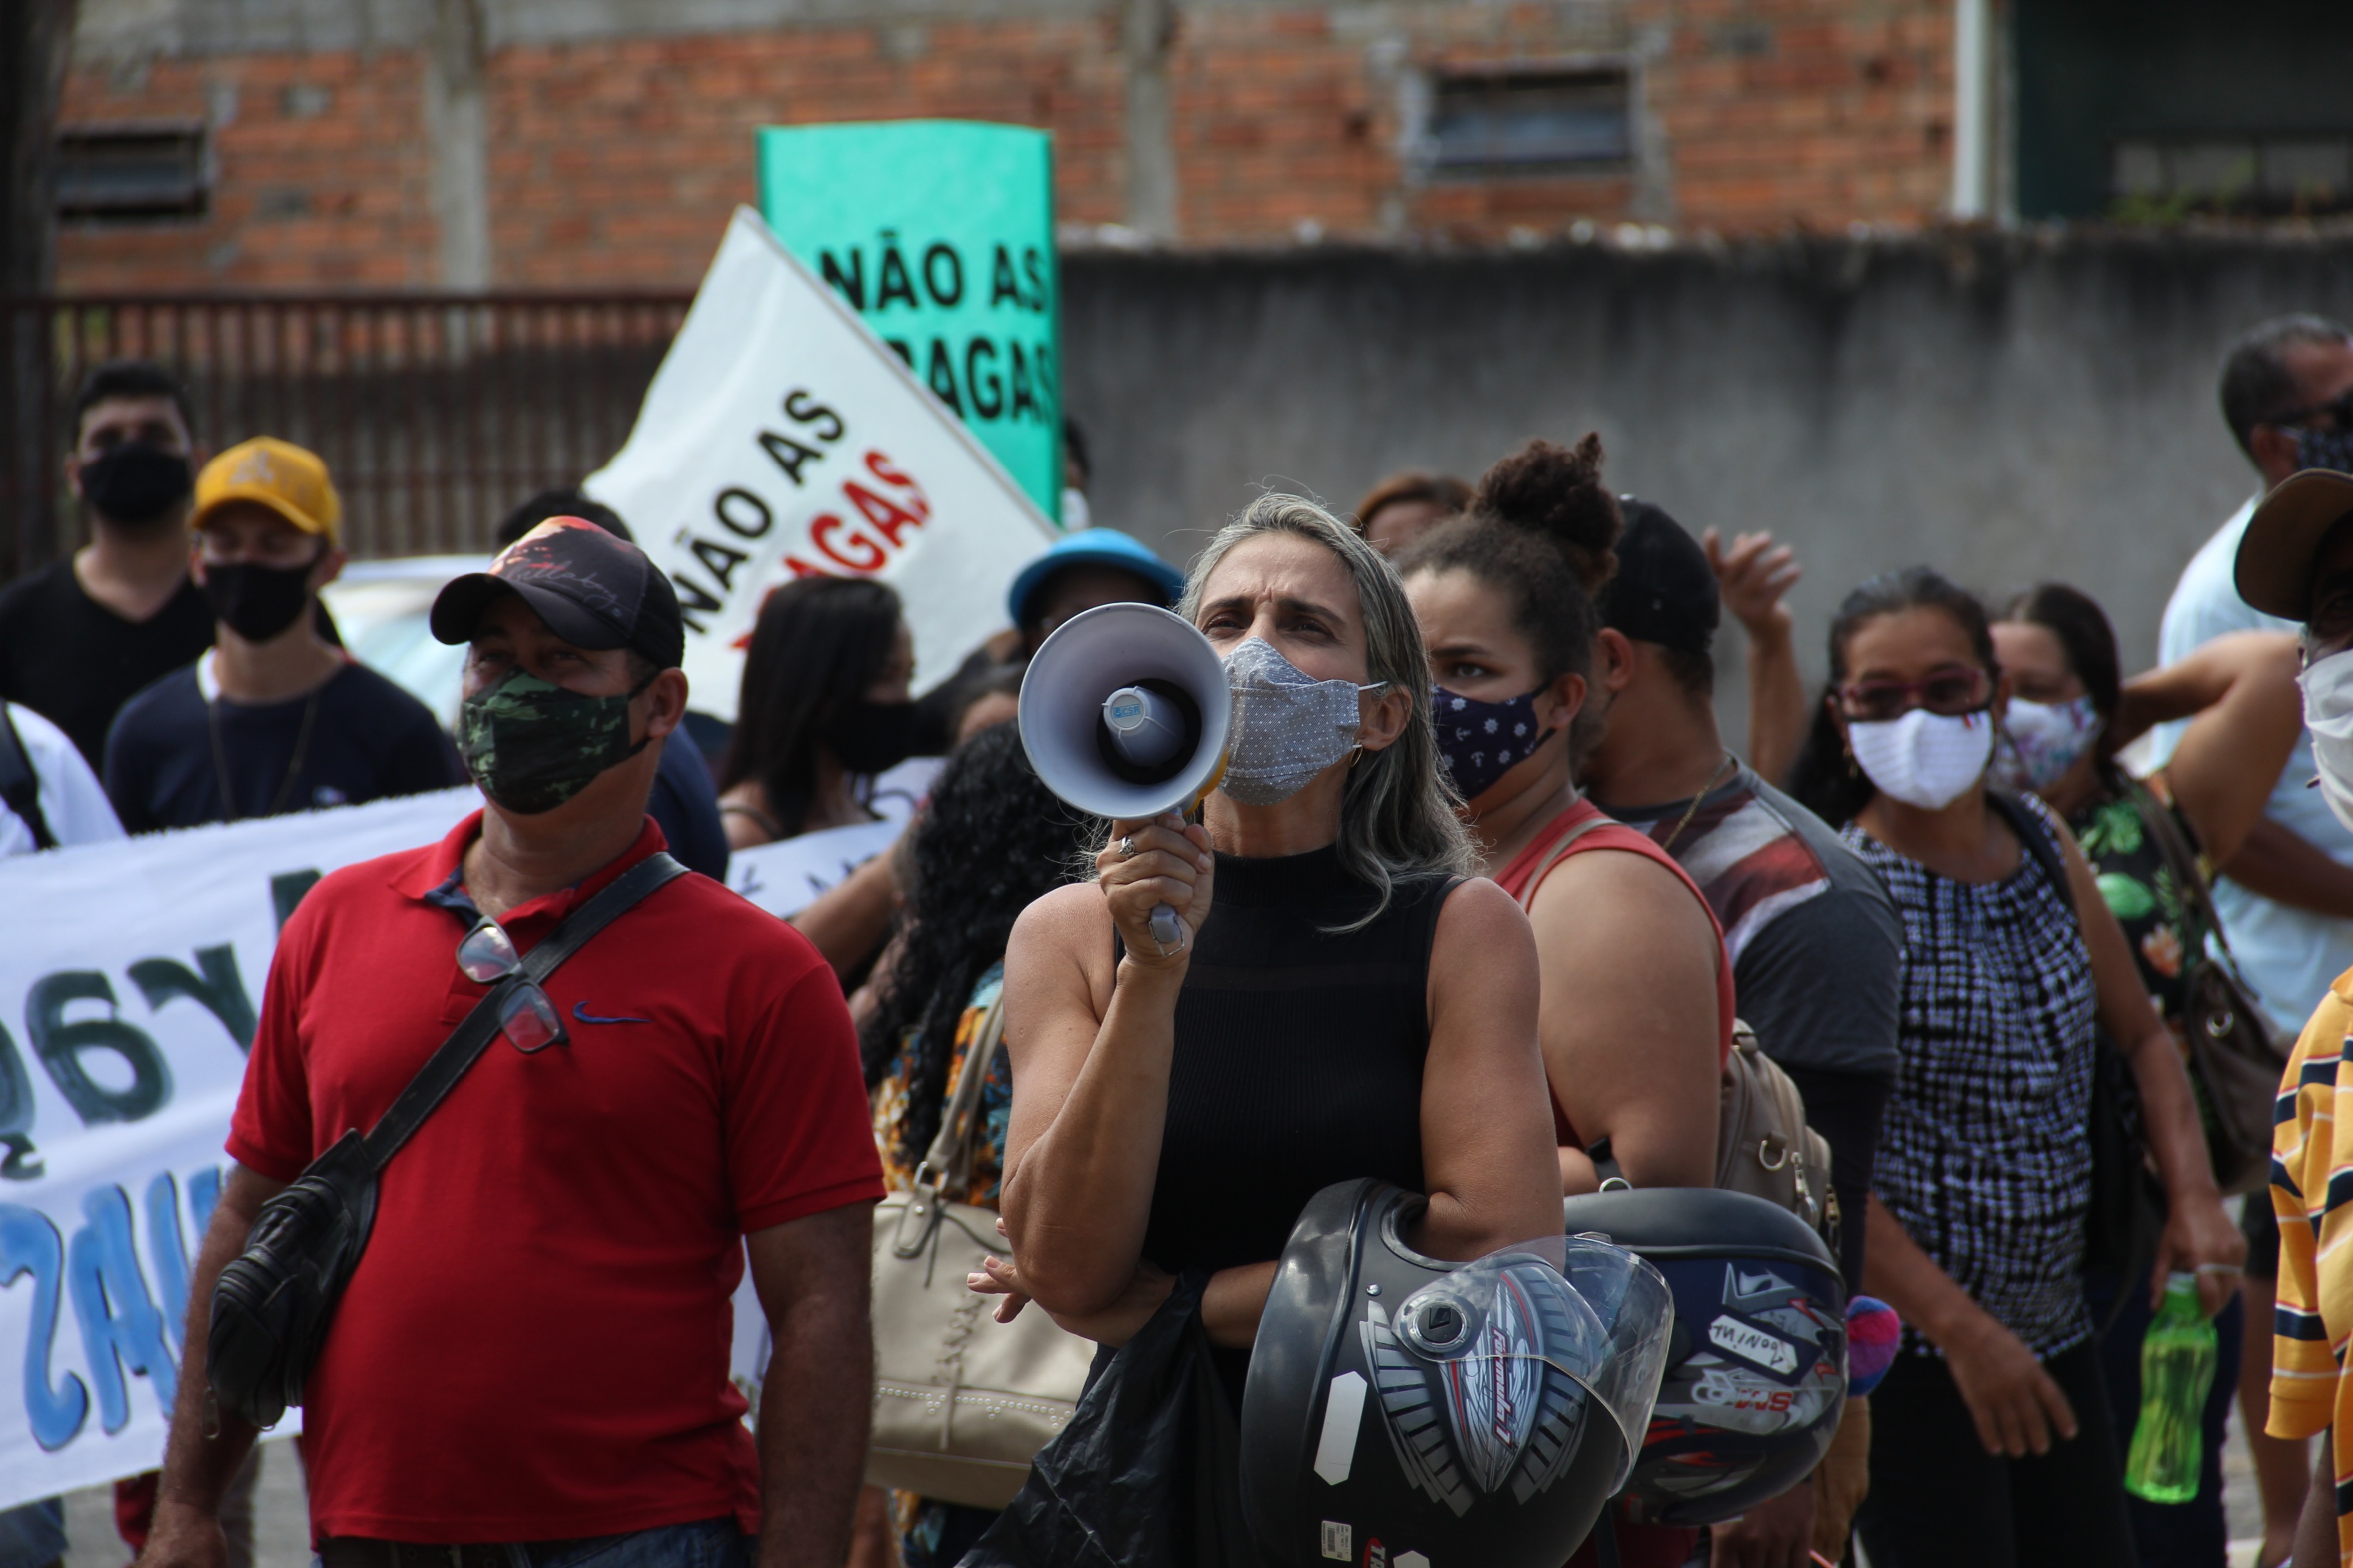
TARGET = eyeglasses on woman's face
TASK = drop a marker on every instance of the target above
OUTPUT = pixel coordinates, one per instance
(1951, 693)
(527, 1018)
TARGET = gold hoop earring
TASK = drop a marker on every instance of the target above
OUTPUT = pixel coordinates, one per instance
(1356, 756)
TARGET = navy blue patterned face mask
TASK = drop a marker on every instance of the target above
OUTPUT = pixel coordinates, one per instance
(1479, 742)
(2324, 449)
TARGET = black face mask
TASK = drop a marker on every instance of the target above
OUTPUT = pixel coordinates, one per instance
(258, 602)
(872, 737)
(136, 482)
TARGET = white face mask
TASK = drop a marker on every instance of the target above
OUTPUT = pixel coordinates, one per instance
(2329, 715)
(1288, 725)
(1923, 759)
(2041, 740)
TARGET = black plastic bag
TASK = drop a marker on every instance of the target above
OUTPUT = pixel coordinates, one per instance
(1145, 1475)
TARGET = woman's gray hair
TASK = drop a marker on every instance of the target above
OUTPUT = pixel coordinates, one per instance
(1398, 821)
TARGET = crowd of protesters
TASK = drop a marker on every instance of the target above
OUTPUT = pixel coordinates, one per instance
(1502, 895)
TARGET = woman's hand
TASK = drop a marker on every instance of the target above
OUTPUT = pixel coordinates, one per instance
(1147, 864)
(2013, 1400)
(2201, 1239)
(1776, 1533)
(1753, 576)
(1114, 1325)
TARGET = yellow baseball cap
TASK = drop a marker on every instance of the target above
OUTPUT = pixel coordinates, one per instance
(288, 480)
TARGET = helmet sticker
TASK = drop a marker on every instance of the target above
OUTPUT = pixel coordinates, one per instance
(1344, 1415)
(1337, 1544)
(1748, 1342)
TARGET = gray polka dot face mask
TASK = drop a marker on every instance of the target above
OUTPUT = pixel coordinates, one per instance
(1288, 726)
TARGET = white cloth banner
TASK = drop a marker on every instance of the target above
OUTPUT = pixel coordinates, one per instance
(137, 970)
(781, 438)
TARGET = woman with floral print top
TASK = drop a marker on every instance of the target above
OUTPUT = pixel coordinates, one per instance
(989, 841)
(2068, 714)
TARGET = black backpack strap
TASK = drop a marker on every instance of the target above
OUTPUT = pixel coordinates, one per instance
(2036, 840)
(20, 787)
(464, 1046)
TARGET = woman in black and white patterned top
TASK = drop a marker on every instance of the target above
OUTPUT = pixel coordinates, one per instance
(1992, 1441)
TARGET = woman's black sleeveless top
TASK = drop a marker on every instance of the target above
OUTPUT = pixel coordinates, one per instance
(1298, 1056)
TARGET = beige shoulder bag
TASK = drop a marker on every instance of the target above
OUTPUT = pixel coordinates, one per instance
(1763, 1146)
(962, 1402)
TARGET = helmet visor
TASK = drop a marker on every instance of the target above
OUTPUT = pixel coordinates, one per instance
(1595, 1313)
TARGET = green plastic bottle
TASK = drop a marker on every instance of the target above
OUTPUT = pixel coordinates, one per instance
(2177, 1368)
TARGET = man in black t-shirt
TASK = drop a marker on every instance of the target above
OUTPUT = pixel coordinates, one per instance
(275, 719)
(1815, 944)
(78, 637)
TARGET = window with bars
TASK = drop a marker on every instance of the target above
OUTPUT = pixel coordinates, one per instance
(1531, 121)
(147, 170)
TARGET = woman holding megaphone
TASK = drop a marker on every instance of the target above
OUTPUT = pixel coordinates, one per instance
(1340, 999)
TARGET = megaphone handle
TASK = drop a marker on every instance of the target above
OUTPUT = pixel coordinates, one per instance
(1167, 928)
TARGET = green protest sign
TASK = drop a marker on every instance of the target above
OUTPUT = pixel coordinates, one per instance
(941, 233)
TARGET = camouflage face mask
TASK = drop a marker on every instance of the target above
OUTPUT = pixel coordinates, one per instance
(532, 745)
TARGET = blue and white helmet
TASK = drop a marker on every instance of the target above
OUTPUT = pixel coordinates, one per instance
(1756, 1377)
(1403, 1412)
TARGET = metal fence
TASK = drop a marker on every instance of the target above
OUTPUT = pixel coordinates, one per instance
(435, 413)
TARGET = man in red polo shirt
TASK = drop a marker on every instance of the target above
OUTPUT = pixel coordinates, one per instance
(533, 1354)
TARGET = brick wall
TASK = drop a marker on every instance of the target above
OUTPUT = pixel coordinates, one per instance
(613, 161)
(321, 176)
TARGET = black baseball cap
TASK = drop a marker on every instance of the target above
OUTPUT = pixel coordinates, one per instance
(1664, 591)
(594, 590)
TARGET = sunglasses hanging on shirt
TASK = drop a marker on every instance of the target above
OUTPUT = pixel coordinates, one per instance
(527, 1018)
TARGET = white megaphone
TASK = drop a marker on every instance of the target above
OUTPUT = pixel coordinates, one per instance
(1126, 713)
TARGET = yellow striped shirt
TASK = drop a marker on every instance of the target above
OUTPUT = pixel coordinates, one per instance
(2310, 1181)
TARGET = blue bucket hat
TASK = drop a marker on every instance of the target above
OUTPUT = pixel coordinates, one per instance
(1094, 547)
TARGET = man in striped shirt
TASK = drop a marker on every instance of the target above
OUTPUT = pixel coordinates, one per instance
(2296, 562)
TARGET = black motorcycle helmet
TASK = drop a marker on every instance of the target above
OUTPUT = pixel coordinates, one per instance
(1756, 1375)
(1403, 1411)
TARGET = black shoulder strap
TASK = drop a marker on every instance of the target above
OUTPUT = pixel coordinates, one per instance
(20, 787)
(2035, 838)
(439, 1076)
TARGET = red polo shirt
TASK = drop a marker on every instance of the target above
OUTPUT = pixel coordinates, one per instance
(536, 1344)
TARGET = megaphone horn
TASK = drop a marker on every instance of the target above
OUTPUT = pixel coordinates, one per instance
(1126, 713)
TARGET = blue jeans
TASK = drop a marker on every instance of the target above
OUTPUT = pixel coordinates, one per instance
(705, 1543)
(33, 1535)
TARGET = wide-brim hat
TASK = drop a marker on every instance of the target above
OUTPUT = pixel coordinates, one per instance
(2274, 570)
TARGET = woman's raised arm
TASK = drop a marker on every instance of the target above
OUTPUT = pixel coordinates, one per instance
(1091, 1053)
(2249, 713)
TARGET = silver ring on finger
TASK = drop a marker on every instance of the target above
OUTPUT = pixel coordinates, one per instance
(1127, 847)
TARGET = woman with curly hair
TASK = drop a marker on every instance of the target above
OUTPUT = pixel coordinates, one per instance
(990, 841)
(1636, 1010)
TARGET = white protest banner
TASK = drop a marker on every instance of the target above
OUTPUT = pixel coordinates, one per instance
(137, 968)
(782, 439)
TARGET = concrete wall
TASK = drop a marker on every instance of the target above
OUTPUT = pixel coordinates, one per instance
(2006, 408)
